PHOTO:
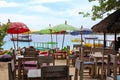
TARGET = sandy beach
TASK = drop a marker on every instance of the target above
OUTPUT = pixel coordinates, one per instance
(3, 71)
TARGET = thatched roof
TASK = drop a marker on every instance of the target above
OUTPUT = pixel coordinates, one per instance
(110, 24)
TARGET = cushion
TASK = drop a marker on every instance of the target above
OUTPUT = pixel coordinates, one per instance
(30, 63)
(89, 63)
(5, 57)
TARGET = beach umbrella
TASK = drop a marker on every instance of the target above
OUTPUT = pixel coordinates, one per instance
(65, 28)
(76, 40)
(47, 31)
(16, 28)
(110, 24)
(81, 31)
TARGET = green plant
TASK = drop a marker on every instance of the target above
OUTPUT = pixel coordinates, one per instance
(3, 33)
(102, 8)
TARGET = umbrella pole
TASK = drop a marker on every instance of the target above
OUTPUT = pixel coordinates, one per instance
(81, 57)
(103, 55)
(81, 48)
(13, 42)
(115, 36)
(63, 40)
(17, 41)
(81, 39)
(56, 42)
(51, 39)
(28, 39)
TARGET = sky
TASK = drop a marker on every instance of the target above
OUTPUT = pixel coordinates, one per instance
(38, 14)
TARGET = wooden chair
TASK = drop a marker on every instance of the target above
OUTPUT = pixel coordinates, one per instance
(78, 70)
(86, 53)
(87, 64)
(30, 54)
(45, 61)
(51, 52)
(96, 50)
(42, 61)
(70, 57)
(59, 54)
(23, 68)
(55, 73)
(11, 70)
(112, 59)
(14, 63)
(76, 48)
(30, 49)
(105, 52)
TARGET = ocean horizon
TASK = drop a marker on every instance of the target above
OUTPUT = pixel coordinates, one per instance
(47, 38)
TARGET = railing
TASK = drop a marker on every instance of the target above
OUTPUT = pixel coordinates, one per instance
(95, 41)
(44, 45)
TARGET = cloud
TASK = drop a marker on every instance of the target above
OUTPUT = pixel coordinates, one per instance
(33, 22)
(47, 1)
(38, 8)
(38, 16)
(8, 4)
(72, 10)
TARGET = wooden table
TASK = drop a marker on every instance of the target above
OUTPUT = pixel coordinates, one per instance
(33, 73)
(96, 58)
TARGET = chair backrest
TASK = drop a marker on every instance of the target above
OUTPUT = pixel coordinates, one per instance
(108, 51)
(76, 50)
(78, 68)
(96, 50)
(68, 50)
(14, 55)
(55, 72)
(22, 61)
(68, 54)
(51, 52)
(85, 51)
(47, 60)
(76, 46)
(11, 70)
(112, 58)
(30, 49)
(30, 54)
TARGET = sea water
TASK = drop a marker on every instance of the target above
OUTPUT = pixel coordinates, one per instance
(47, 38)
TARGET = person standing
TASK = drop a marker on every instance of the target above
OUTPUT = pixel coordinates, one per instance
(117, 44)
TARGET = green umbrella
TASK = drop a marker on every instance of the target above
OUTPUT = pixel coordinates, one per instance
(64, 27)
(47, 31)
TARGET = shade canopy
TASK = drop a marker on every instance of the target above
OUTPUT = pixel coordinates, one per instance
(110, 24)
(60, 32)
(82, 31)
(64, 27)
(17, 28)
(45, 31)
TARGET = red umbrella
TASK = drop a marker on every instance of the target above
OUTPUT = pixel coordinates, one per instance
(16, 28)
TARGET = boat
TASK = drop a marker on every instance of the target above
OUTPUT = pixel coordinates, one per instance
(22, 38)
